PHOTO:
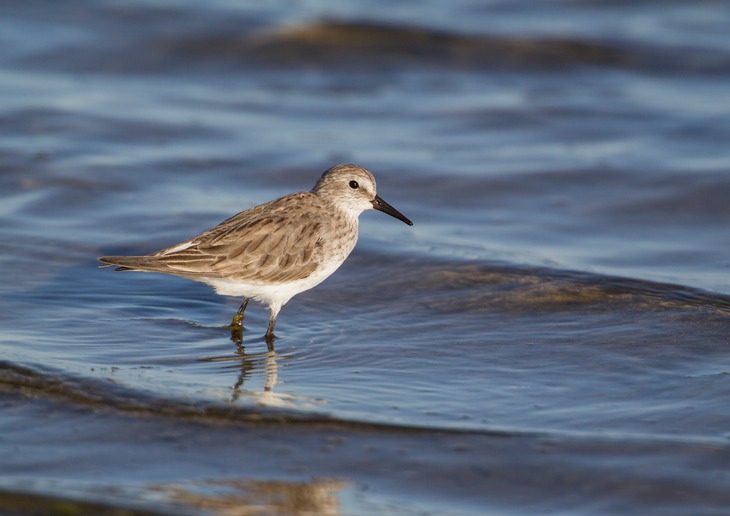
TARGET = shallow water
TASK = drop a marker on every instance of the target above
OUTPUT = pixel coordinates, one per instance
(550, 336)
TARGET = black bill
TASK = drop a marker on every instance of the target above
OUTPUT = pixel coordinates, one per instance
(380, 205)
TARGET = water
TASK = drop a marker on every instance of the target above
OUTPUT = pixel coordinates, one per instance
(551, 336)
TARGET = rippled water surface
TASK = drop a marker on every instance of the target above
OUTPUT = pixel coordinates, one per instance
(551, 336)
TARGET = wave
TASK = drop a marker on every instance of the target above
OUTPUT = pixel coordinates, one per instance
(373, 46)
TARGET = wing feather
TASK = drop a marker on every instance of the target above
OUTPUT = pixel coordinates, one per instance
(278, 241)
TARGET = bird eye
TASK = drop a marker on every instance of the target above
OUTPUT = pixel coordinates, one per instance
(354, 185)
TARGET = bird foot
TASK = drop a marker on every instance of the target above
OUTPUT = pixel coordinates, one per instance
(236, 334)
(269, 337)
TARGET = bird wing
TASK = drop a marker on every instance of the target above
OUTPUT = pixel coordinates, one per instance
(276, 242)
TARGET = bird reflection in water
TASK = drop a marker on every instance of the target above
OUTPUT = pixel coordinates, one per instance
(250, 364)
(247, 496)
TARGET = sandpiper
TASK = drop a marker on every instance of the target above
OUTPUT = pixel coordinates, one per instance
(276, 250)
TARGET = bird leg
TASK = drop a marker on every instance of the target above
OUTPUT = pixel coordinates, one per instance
(238, 318)
(236, 326)
(270, 331)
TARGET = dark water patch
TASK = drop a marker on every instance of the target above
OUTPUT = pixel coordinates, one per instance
(88, 394)
(179, 466)
(700, 202)
(463, 286)
(25, 502)
(374, 46)
(93, 394)
(84, 126)
(81, 26)
(340, 42)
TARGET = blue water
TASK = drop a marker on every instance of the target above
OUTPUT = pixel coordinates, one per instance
(550, 334)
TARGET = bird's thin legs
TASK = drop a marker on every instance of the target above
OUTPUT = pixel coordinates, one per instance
(236, 326)
(270, 333)
(238, 318)
(270, 330)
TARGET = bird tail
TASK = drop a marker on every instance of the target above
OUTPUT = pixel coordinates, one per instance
(134, 263)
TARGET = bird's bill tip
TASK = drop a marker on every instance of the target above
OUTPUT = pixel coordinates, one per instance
(380, 205)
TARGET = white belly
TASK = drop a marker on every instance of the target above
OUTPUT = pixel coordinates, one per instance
(272, 294)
